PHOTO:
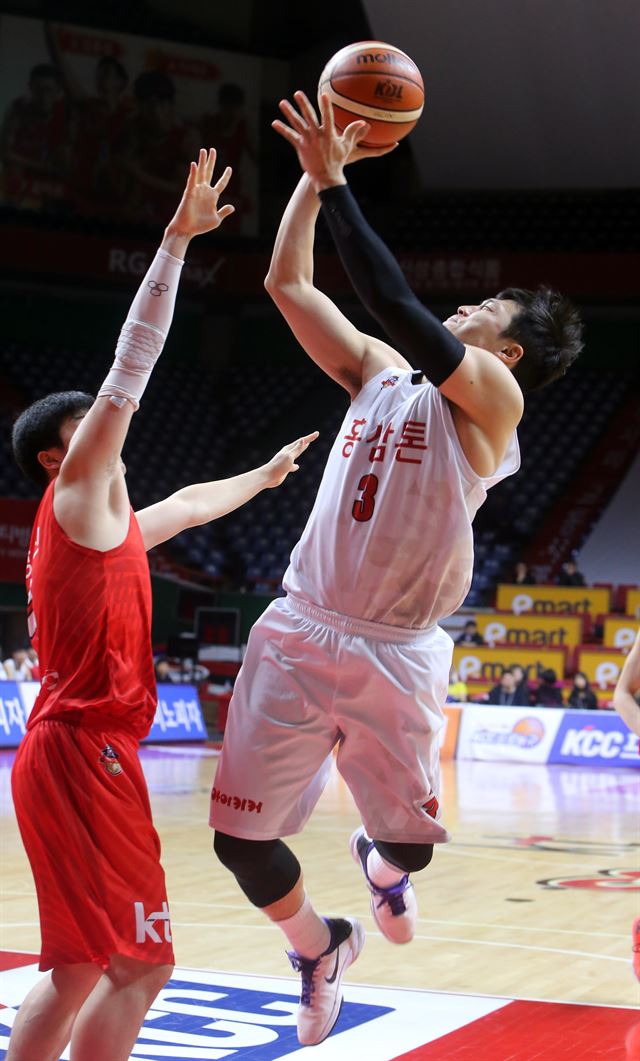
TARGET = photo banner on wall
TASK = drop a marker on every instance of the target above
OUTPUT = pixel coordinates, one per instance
(103, 124)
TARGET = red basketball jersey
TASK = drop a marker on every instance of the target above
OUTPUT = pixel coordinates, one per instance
(90, 622)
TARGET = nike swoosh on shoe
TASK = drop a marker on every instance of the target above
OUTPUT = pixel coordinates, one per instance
(331, 979)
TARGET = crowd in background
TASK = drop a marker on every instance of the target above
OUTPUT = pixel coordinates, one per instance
(515, 690)
(20, 666)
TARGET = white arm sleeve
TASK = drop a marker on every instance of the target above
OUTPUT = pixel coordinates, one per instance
(144, 331)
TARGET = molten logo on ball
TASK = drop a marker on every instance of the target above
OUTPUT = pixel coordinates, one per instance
(381, 57)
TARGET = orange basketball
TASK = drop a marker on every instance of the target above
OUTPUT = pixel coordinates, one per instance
(376, 82)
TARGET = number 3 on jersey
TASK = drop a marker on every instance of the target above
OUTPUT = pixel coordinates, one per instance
(363, 506)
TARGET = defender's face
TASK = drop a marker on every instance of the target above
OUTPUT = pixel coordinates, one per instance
(69, 428)
(483, 325)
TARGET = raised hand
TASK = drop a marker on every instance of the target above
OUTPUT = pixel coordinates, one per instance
(322, 151)
(198, 211)
(285, 459)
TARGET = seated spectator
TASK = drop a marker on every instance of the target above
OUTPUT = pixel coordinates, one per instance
(458, 690)
(581, 694)
(522, 575)
(18, 668)
(504, 694)
(164, 671)
(35, 664)
(523, 692)
(548, 693)
(470, 635)
(570, 576)
(192, 672)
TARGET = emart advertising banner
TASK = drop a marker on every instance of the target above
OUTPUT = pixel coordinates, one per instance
(619, 633)
(546, 631)
(475, 661)
(568, 600)
(510, 734)
(601, 666)
(632, 604)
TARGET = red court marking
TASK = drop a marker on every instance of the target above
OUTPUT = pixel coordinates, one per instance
(547, 1031)
(15, 959)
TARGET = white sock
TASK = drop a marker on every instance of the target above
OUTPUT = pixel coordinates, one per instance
(382, 873)
(307, 933)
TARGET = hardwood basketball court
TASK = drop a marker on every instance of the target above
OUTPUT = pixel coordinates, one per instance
(533, 900)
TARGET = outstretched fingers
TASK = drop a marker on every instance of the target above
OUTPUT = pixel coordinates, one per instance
(222, 181)
(289, 134)
(306, 108)
(210, 164)
(326, 113)
(355, 132)
(201, 175)
(295, 119)
(193, 176)
(303, 443)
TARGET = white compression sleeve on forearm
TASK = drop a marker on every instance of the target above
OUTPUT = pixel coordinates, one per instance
(144, 332)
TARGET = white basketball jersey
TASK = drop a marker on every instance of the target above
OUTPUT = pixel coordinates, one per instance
(389, 538)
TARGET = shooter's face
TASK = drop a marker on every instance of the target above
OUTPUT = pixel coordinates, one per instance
(483, 325)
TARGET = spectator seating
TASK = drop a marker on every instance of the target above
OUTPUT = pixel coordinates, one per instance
(530, 639)
(534, 221)
(213, 425)
(558, 429)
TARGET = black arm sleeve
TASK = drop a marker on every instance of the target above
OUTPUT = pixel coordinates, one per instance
(381, 287)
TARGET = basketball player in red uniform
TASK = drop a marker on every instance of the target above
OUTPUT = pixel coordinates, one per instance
(79, 792)
(626, 703)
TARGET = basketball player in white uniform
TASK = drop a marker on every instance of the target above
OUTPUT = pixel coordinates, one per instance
(353, 655)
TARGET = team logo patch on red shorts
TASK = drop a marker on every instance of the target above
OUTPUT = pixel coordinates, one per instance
(109, 759)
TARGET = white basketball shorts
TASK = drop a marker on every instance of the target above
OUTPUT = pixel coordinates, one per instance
(312, 679)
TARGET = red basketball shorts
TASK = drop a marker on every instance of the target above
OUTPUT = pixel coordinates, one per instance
(83, 810)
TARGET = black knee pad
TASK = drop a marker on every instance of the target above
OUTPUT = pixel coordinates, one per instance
(266, 870)
(408, 857)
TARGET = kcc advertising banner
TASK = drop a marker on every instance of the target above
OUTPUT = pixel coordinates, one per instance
(588, 738)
